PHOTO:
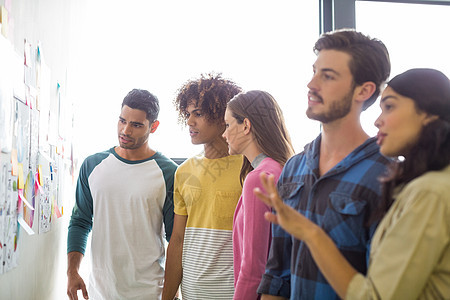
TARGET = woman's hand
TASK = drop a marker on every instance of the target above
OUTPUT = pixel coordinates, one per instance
(328, 258)
(288, 218)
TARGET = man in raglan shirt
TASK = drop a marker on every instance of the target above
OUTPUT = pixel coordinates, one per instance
(125, 196)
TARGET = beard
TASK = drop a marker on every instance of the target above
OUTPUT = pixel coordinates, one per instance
(135, 143)
(337, 110)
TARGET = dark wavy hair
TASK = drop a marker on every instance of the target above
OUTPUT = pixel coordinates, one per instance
(143, 100)
(267, 126)
(430, 91)
(369, 57)
(210, 92)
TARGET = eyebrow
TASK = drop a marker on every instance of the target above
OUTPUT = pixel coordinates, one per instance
(131, 122)
(387, 97)
(194, 110)
(326, 70)
(330, 70)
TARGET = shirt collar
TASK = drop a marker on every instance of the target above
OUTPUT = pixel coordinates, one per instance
(258, 159)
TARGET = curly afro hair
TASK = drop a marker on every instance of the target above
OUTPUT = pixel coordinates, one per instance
(210, 92)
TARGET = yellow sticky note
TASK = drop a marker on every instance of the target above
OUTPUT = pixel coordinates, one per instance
(53, 205)
(4, 20)
(20, 171)
(40, 174)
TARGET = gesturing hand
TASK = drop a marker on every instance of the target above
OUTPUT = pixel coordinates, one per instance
(287, 217)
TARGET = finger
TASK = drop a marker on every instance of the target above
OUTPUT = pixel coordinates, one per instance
(263, 197)
(271, 217)
(288, 214)
(271, 188)
(73, 294)
(276, 202)
(265, 181)
(85, 293)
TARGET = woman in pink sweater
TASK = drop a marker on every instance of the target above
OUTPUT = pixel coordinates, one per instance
(255, 128)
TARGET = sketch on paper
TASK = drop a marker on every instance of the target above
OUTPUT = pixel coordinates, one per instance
(3, 173)
(9, 233)
(44, 107)
(34, 138)
(22, 128)
(45, 206)
(6, 97)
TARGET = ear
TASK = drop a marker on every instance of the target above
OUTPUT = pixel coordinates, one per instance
(153, 126)
(429, 118)
(365, 91)
(247, 126)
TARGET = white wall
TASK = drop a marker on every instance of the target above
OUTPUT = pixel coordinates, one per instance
(41, 270)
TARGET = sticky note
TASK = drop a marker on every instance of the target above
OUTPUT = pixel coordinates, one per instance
(20, 174)
(4, 21)
(40, 174)
(14, 162)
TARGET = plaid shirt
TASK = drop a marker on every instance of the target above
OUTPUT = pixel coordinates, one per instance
(340, 202)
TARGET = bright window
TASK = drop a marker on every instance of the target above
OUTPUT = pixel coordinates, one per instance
(416, 36)
(158, 45)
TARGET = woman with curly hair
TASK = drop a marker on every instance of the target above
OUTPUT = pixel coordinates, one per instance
(410, 250)
(206, 190)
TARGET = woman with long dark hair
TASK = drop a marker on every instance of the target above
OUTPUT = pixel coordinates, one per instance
(410, 250)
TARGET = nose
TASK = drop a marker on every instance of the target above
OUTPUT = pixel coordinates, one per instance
(378, 122)
(312, 84)
(127, 129)
(190, 121)
(224, 134)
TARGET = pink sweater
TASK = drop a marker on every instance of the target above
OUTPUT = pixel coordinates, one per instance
(251, 233)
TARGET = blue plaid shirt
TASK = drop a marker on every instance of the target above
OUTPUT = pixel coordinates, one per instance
(340, 202)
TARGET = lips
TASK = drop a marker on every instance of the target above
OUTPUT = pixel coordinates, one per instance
(380, 137)
(124, 139)
(314, 98)
(192, 132)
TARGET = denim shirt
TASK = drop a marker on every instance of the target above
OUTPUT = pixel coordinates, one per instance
(340, 202)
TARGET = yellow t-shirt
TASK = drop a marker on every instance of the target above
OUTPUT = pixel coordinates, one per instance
(207, 191)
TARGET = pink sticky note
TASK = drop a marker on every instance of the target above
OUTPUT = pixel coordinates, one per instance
(37, 186)
(58, 213)
(19, 203)
(8, 5)
(55, 208)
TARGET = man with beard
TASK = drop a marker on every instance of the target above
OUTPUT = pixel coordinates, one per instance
(333, 182)
(125, 195)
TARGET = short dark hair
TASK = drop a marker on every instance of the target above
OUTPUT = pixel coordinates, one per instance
(143, 100)
(369, 57)
(210, 92)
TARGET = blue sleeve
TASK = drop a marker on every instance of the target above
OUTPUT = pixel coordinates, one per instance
(81, 221)
(276, 280)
